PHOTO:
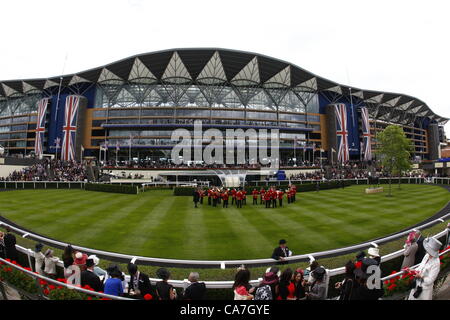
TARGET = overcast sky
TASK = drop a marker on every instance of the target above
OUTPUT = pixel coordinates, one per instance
(398, 46)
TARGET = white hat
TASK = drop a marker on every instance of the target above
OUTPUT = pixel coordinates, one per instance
(432, 246)
(78, 255)
(95, 259)
(374, 252)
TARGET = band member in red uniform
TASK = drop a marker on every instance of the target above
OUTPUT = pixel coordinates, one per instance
(233, 196)
(294, 190)
(239, 197)
(225, 197)
(244, 196)
(202, 195)
(210, 191)
(289, 195)
(274, 197)
(267, 198)
(255, 196)
(215, 196)
(262, 192)
(280, 194)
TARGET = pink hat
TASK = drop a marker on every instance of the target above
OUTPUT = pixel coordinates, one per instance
(80, 258)
(411, 237)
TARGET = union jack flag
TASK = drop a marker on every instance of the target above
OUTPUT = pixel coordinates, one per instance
(40, 126)
(70, 128)
(367, 139)
(342, 133)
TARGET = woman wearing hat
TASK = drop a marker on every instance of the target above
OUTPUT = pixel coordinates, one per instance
(318, 289)
(427, 271)
(39, 259)
(268, 288)
(50, 264)
(410, 250)
(374, 253)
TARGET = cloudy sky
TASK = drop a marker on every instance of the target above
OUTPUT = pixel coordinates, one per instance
(399, 46)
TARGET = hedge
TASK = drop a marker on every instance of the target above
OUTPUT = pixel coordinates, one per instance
(113, 188)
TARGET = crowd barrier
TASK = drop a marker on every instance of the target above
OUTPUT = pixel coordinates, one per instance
(256, 183)
(178, 283)
(222, 264)
(42, 184)
(219, 264)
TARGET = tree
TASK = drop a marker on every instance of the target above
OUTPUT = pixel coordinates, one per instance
(394, 149)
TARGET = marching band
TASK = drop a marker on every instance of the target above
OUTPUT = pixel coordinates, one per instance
(271, 198)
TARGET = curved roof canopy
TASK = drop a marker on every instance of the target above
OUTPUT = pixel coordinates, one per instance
(215, 66)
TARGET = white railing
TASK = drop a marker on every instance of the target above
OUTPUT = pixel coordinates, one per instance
(218, 263)
(222, 264)
(365, 181)
(437, 180)
(209, 284)
(22, 184)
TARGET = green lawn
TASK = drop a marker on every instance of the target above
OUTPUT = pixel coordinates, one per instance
(158, 224)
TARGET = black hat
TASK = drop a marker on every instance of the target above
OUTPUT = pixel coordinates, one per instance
(38, 247)
(362, 272)
(132, 268)
(90, 263)
(360, 256)
(114, 271)
(319, 273)
(163, 273)
(282, 241)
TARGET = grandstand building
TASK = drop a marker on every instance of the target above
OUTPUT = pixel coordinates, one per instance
(133, 105)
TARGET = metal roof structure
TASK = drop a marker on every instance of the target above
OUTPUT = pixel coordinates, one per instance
(216, 66)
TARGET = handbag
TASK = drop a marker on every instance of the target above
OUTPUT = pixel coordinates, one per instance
(413, 284)
(418, 292)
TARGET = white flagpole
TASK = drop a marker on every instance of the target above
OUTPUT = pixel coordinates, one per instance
(295, 149)
(129, 151)
(59, 88)
(320, 158)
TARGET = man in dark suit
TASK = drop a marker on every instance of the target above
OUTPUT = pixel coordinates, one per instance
(88, 277)
(196, 290)
(139, 284)
(196, 197)
(10, 245)
(420, 253)
(281, 252)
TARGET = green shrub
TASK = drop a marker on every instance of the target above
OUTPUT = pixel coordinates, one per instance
(113, 188)
(183, 191)
(17, 278)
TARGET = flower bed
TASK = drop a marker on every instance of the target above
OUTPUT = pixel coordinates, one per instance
(16, 278)
(401, 284)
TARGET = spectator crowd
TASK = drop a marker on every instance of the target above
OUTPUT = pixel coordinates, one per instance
(275, 284)
(50, 170)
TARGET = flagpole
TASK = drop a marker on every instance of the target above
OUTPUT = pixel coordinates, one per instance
(295, 150)
(129, 152)
(59, 88)
(320, 159)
